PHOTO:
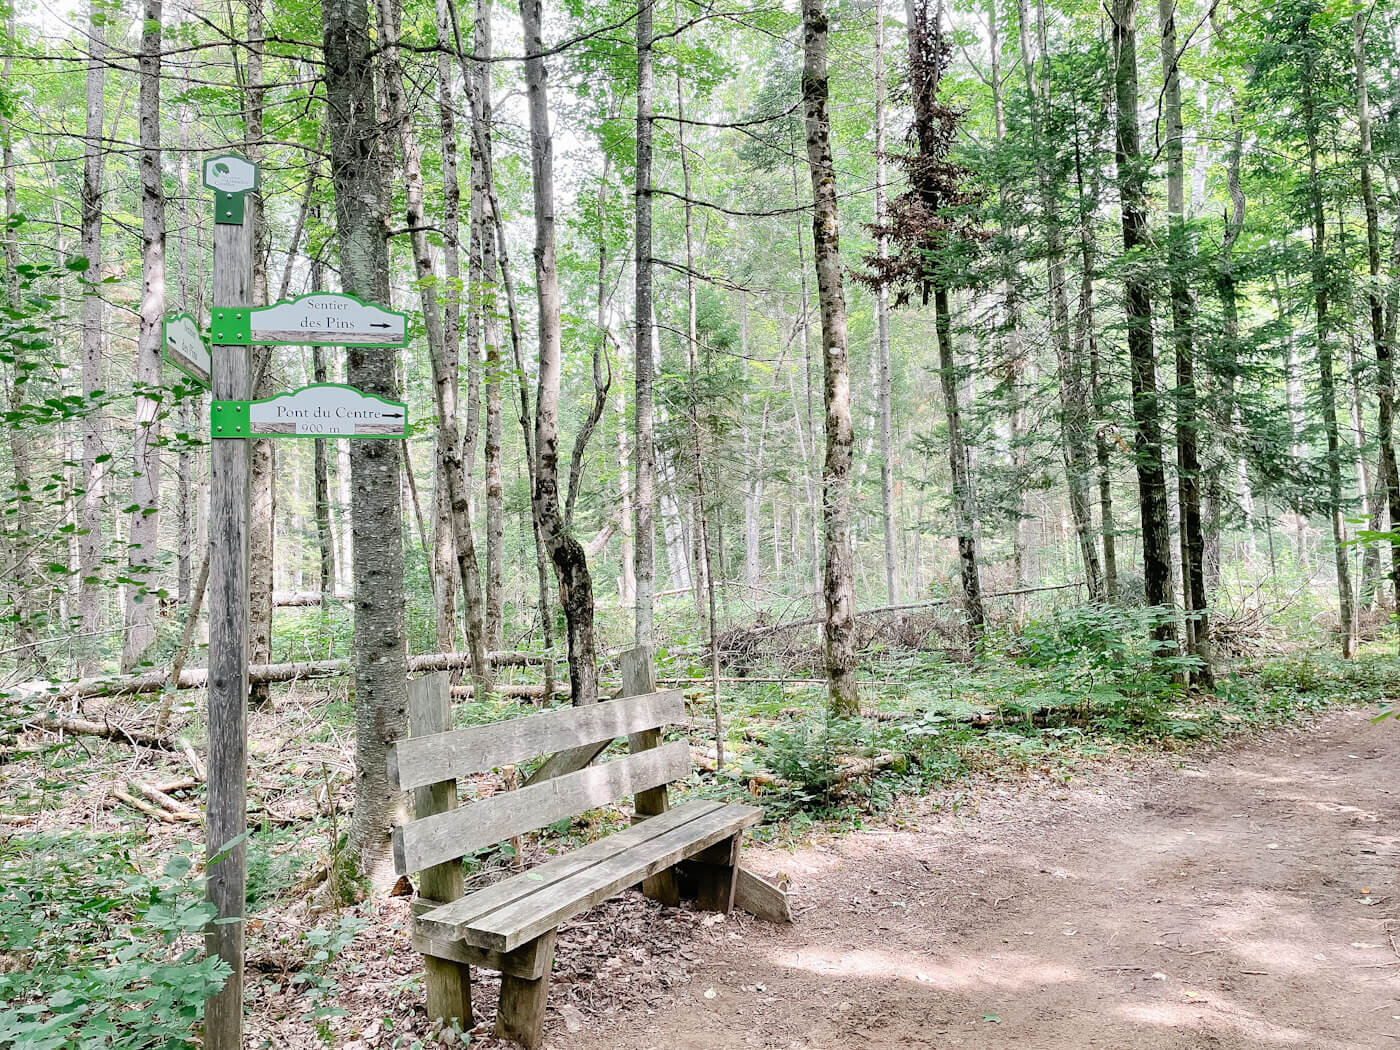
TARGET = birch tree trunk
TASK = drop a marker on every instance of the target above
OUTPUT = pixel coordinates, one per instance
(1179, 261)
(838, 585)
(90, 509)
(143, 537)
(380, 666)
(570, 562)
(1152, 482)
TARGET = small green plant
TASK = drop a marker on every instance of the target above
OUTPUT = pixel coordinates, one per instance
(105, 955)
(809, 754)
(319, 987)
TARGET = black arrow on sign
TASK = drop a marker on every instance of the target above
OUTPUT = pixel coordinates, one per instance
(393, 415)
(377, 325)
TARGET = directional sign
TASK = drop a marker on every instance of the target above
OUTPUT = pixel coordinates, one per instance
(186, 350)
(319, 319)
(323, 410)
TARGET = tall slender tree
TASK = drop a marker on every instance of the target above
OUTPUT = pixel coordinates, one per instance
(143, 534)
(570, 561)
(379, 659)
(838, 582)
(1137, 288)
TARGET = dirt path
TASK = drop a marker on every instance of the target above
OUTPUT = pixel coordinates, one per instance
(1242, 900)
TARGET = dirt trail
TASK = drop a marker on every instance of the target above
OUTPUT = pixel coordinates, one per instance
(1241, 900)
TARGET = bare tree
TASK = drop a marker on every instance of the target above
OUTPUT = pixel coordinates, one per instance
(145, 486)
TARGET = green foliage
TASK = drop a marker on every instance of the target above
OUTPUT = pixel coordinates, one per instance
(108, 956)
(809, 754)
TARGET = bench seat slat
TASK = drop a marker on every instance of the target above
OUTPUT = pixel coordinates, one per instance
(457, 832)
(526, 918)
(448, 920)
(417, 761)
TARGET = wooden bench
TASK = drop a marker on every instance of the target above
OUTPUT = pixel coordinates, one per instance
(690, 850)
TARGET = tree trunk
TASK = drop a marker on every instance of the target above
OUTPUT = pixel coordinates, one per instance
(1075, 414)
(444, 564)
(570, 562)
(23, 578)
(644, 485)
(1179, 263)
(451, 462)
(882, 328)
(381, 698)
(1385, 362)
(143, 537)
(263, 468)
(838, 585)
(493, 371)
(1327, 387)
(964, 502)
(90, 509)
(1152, 482)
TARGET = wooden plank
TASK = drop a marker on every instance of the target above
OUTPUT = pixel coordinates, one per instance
(448, 920)
(760, 898)
(520, 1014)
(447, 836)
(229, 508)
(527, 918)
(447, 981)
(459, 953)
(418, 761)
(639, 676)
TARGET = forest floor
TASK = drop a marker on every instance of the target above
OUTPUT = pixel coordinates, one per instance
(1245, 899)
(1219, 872)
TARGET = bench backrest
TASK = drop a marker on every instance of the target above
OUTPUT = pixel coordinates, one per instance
(418, 762)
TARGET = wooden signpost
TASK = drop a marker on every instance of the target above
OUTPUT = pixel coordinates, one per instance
(322, 410)
(226, 817)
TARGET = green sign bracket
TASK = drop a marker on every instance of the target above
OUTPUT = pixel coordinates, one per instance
(228, 208)
(231, 326)
(229, 419)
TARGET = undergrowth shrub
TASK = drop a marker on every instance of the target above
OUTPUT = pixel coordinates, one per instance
(98, 953)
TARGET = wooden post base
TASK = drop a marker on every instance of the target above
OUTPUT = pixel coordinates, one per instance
(711, 875)
(520, 1016)
(449, 991)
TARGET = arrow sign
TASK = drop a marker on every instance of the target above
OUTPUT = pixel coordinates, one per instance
(186, 350)
(319, 319)
(322, 410)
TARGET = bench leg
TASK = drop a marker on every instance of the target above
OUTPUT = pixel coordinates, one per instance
(449, 987)
(662, 887)
(714, 872)
(520, 1016)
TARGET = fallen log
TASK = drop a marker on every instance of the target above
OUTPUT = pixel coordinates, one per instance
(126, 734)
(524, 692)
(198, 677)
